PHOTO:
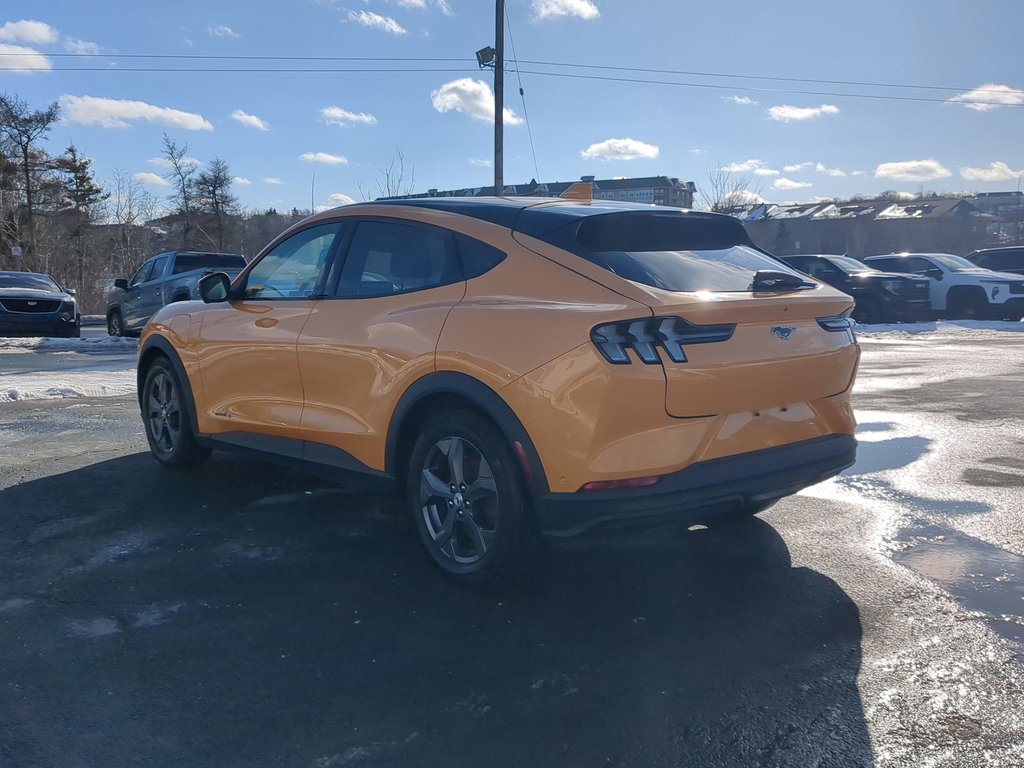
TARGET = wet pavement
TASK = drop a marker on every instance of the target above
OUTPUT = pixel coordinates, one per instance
(246, 615)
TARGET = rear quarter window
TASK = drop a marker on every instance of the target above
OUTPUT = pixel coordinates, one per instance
(186, 262)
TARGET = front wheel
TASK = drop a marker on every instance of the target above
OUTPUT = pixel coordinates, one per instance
(168, 427)
(115, 324)
(467, 498)
(867, 310)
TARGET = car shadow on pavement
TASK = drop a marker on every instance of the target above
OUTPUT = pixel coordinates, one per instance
(245, 615)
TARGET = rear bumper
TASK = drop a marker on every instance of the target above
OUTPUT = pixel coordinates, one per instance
(35, 325)
(703, 490)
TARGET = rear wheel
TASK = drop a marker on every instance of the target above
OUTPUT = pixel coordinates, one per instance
(467, 499)
(115, 324)
(967, 303)
(168, 427)
(867, 310)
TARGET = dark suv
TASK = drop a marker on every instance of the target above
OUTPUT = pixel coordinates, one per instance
(881, 296)
(1008, 259)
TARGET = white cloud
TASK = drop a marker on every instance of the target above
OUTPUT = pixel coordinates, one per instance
(766, 172)
(443, 7)
(698, 151)
(376, 21)
(784, 183)
(746, 166)
(323, 157)
(471, 97)
(993, 96)
(620, 149)
(339, 116)
(913, 170)
(81, 47)
(820, 168)
(552, 9)
(223, 31)
(743, 101)
(241, 181)
(480, 162)
(163, 162)
(797, 167)
(787, 113)
(29, 31)
(250, 120)
(744, 197)
(147, 177)
(20, 59)
(339, 198)
(272, 180)
(116, 113)
(322, 208)
(997, 171)
(857, 173)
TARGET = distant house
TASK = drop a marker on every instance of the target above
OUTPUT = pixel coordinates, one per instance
(657, 190)
(866, 227)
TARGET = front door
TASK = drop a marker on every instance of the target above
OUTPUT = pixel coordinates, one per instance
(131, 302)
(247, 350)
(151, 294)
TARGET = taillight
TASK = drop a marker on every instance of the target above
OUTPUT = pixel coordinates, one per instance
(838, 323)
(646, 336)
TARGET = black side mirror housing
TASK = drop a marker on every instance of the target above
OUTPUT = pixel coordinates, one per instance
(934, 272)
(121, 283)
(70, 291)
(214, 288)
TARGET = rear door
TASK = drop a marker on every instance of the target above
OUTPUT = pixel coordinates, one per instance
(374, 333)
(247, 354)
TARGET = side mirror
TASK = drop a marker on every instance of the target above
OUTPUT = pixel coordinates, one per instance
(121, 283)
(70, 291)
(214, 288)
(934, 272)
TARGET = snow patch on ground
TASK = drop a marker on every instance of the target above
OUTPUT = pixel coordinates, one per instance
(109, 378)
(102, 345)
(971, 328)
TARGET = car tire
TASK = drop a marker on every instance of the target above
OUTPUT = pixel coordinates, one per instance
(115, 323)
(165, 417)
(967, 304)
(867, 310)
(468, 500)
(75, 333)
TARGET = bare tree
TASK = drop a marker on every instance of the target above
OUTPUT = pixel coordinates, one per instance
(22, 128)
(181, 168)
(131, 206)
(213, 195)
(726, 189)
(391, 180)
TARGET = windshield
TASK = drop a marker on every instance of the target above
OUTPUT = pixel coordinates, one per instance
(675, 253)
(186, 262)
(36, 282)
(955, 263)
(848, 265)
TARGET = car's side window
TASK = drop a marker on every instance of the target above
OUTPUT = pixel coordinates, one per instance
(798, 263)
(477, 257)
(294, 268)
(143, 274)
(918, 265)
(158, 268)
(887, 265)
(386, 258)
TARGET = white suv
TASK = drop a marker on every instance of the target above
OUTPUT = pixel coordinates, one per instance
(959, 288)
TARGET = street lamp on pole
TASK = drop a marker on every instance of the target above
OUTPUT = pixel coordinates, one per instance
(495, 58)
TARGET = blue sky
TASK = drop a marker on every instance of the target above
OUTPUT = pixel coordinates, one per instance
(798, 146)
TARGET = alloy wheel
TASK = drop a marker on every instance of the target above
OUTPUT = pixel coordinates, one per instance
(459, 501)
(163, 412)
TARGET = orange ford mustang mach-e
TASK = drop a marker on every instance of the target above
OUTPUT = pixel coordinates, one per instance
(514, 367)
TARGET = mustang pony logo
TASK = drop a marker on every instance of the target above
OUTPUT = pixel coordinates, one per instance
(783, 331)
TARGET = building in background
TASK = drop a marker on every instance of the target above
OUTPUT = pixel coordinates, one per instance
(657, 190)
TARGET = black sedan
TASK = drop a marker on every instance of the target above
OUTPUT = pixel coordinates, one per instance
(32, 304)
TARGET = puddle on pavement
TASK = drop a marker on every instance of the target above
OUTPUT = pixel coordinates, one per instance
(981, 576)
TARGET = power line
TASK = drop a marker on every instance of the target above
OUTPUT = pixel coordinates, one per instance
(522, 95)
(716, 86)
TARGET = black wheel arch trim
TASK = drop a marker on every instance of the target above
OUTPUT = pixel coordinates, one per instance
(164, 346)
(484, 398)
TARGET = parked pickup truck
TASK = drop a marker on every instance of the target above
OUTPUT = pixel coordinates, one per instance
(163, 279)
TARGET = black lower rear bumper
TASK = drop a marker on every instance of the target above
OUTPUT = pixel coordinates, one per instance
(703, 490)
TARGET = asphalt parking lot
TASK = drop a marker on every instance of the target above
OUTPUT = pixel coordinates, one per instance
(244, 615)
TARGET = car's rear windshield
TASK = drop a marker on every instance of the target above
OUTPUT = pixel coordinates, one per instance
(36, 282)
(675, 252)
(186, 262)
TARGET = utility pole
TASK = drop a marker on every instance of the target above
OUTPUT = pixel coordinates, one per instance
(499, 96)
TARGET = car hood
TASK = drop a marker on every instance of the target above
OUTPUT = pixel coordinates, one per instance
(887, 276)
(995, 275)
(34, 293)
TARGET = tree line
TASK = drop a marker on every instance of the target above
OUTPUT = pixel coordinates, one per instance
(57, 217)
